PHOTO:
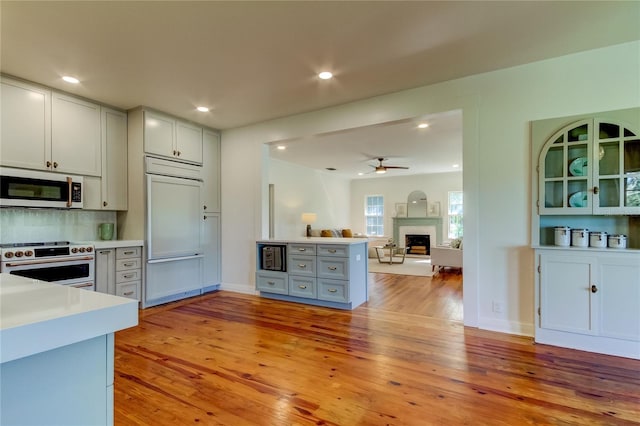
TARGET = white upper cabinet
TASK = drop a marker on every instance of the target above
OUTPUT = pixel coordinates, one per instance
(171, 138)
(114, 160)
(591, 166)
(75, 136)
(25, 125)
(211, 171)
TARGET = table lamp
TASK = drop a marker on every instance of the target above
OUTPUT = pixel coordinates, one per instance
(309, 218)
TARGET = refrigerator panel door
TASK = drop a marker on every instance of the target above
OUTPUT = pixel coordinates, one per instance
(172, 278)
(173, 209)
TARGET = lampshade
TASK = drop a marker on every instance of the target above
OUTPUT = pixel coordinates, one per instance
(309, 217)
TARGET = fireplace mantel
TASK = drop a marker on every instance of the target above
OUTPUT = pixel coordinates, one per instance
(418, 221)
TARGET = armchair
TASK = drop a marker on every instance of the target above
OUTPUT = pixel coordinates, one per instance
(443, 256)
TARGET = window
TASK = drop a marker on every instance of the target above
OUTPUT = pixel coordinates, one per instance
(374, 214)
(455, 214)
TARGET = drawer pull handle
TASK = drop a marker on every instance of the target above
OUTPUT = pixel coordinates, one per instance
(302, 266)
(129, 252)
(271, 283)
(302, 287)
(128, 264)
(129, 293)
(332, 250)
(594, 289)
(129, 275)
(332, 290)
(302, 249)
(332, 268)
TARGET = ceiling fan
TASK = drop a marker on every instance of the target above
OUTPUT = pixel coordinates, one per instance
(381, 168)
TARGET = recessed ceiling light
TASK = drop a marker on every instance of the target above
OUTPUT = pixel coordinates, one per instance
(423, 125)
(325, 75)
(455, 166)
(203, 109)
(281, 147)
(360, 174)
(70, 79)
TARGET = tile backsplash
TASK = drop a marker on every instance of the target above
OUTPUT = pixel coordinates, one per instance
(21, 225)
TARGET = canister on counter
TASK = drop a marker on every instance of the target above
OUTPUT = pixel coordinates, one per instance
(580, 237)
(562, 236)
(617, 241)
(597, 239)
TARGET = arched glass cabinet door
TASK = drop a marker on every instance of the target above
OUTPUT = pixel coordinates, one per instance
(590, 167)
(564, 169)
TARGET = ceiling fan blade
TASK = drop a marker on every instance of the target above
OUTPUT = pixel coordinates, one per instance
(395, 167)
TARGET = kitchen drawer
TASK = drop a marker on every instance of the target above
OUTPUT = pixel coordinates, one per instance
(272, 283)
(128, 252)
(302, 286)
(333, 250)
(333, 290)
(301, 265)
(126, 264)
(297, 248)
(333, 267)
(130, 290)
(132, 275)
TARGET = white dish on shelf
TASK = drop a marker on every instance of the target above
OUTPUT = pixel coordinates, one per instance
(578, 199)
(578, 167)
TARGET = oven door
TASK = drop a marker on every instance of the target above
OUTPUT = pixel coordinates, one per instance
(74, 271)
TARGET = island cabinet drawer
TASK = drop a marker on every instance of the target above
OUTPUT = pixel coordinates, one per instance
(301, 265)
(129, 290)
(126, 264)
(300, 248)
(302, 287)
(333, 290)
(333, 267)
(333, 250)
(132, 275)
(127, 252)
(272, 283)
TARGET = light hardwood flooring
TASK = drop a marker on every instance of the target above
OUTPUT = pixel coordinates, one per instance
(235, 359)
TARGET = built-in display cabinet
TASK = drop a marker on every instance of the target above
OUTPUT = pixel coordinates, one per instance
(586, 175)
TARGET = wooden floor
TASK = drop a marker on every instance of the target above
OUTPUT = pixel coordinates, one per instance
(234, 359)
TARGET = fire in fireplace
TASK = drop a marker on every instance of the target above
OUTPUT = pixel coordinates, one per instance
(417, 244)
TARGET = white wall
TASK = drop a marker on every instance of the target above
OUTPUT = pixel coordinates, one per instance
(436, 186)
(301, 189)
(497, 110)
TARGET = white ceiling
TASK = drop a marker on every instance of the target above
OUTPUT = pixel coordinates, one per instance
(255, 61)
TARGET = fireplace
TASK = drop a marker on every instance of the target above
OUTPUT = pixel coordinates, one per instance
(418, 244)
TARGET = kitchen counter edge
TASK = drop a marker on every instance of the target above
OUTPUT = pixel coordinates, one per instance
(109, 244)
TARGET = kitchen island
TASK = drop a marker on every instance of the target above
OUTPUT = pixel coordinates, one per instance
(56, 352)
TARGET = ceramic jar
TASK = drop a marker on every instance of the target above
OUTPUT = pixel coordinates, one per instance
(597, 239)
(618, 241)
(562, 235)
(580, 237)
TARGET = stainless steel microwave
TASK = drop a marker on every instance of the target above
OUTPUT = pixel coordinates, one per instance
(273, 258)
(30, 188)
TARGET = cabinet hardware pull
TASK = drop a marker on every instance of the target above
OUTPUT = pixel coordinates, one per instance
(128, 252)
(205, 207)
(332, 268)
(127, 264)
(594, 289)
(129, 293)
(104, 204)
(302, 249)
(271, 283)
(174, 152)
(55, 164)
(178, 153)
(128, 276)
(332, 250)
(48, 164)
(204, 218)
(302, 286)
(83, 285)
(302, 265)
(596, 189)
(332, 290)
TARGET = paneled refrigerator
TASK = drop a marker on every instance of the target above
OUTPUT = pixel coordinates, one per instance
(174, 249)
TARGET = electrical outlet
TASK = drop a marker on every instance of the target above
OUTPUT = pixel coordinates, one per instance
(498, 307)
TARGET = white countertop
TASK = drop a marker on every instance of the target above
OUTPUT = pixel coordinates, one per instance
(314, 240)
(36, 316)
(107, 244)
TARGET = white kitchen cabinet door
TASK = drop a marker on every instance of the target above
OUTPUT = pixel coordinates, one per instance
(565, 293)
(618, 288)
(106, 271)
(114, 160)
(25, 125)
(159, 134)
(211, 250)
(211, 171)
(75, 136)
(173, 209)
(188, 142)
